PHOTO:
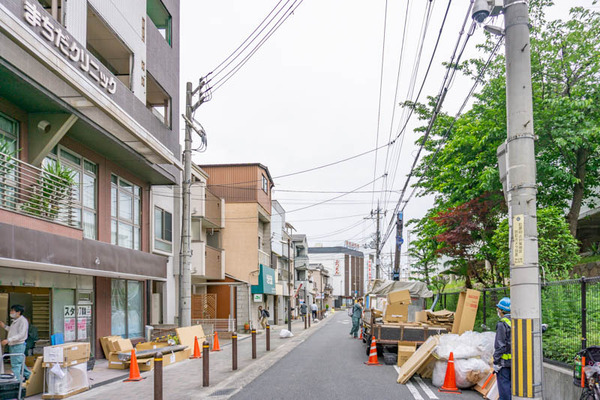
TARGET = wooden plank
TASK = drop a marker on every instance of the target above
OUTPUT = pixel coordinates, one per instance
(419, 358)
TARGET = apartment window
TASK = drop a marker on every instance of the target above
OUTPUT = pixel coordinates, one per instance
(265, 185)
(126, 201)
(163, 230)
(108, 48)
(126, 300)
(9, 134)
(54, 8)
(85, 189)
(159, 15)
(158, 101)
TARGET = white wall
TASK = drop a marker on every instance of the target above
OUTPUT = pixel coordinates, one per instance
(125, 19)
(328, 261)
(167, 198)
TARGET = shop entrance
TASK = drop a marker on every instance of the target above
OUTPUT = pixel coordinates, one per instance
(37, 307)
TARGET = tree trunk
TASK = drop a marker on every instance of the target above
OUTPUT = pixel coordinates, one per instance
(580, 173)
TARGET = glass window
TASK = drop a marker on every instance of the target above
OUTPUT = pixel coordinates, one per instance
(85, 189)
(265, 184)
(125, 213)
(127, 310)
(163, 230)
(8, 146)
(161, 18)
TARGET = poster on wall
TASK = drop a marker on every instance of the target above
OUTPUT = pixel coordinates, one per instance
(82, 329)
(69, 323)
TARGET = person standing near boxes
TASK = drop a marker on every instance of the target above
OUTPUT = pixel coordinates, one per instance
(502, 349)
(357, 310)
(17, 335)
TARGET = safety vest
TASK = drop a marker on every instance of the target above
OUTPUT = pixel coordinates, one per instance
(507, 322)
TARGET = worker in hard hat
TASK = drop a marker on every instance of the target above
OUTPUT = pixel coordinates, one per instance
(502, 349)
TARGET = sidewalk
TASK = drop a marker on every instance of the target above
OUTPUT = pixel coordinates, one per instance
(184, 379)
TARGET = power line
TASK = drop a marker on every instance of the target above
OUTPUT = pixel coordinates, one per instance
(440, 99)
(235, 69)
(380, 95)
(214, 72)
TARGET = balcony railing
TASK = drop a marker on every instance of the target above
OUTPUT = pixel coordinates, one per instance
(213, 210)
(264, 258)
(36, 192)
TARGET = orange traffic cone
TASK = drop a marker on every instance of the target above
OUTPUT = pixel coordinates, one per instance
(216, 346)
(134, 369)
(450, 379)
(361, 336)
(197, 353)
(373, 353)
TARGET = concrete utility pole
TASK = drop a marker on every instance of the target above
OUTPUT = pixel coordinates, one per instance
(290, 288)
(399, 241)
(525, 289)
(378, 247)
(185, 276)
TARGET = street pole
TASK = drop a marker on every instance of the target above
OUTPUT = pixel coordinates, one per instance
(185, 276)
(378, 247)
(289, 302)
(525, 289)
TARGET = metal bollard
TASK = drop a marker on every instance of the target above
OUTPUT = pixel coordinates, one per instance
(268, 338)
(305, 322)
(309, 319)
(253, 343)
(158, 376)
(234, 351)
(205, 371)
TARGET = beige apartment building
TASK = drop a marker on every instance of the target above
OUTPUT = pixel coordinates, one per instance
(249, 281)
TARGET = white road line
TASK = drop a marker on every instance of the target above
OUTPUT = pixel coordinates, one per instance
(414, 391)
(425, 388)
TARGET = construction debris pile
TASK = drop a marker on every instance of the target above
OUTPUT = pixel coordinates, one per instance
(469, 354)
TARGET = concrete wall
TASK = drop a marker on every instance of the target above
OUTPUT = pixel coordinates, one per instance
(240, 239)
(558, 383)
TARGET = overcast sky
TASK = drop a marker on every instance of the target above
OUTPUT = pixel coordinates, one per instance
(309, 96)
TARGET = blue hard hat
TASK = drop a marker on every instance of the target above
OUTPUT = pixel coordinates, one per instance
(504, 304)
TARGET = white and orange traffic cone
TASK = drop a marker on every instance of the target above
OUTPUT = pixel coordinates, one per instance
(197, 353)
(373, 353)
(134, 369)
(216, 346)
(450, 379)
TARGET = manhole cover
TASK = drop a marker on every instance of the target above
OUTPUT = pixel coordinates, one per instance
(222, 392)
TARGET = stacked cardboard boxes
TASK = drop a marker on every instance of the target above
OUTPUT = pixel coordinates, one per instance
(65, 370)
(113, 345)
(396, 308)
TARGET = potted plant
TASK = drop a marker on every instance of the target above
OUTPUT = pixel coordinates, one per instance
(247, 326)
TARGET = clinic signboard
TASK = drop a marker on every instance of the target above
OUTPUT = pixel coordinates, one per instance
(266, 281)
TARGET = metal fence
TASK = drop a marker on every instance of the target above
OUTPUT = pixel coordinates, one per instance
(570, 308)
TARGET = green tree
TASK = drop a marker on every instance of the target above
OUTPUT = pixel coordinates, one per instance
(461, 164)
(557, 248)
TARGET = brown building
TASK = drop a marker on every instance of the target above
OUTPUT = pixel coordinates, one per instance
(86, 98)
(246, 189)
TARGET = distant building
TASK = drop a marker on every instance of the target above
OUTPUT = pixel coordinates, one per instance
(346, 268)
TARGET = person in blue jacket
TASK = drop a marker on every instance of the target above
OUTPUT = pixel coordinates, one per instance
(502, 350)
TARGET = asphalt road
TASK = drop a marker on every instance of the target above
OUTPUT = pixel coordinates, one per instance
(330, 365)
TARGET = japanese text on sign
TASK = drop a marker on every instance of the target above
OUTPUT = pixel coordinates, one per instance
(69, 311)
(77, 54)
(518, 240)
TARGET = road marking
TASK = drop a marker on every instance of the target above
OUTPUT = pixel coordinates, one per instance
(425, 388)
(414, 391)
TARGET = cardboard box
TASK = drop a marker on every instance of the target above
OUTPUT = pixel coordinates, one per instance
(35, 383)
(105, 342)
(65, 364)
(73, 380)
(172, 358)
(399, 297)
(67, 353)
(405, 351)
(115, 363)
(150, 345)
(421, 357)
(421, 316)
(466, 311)
(395, 313)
